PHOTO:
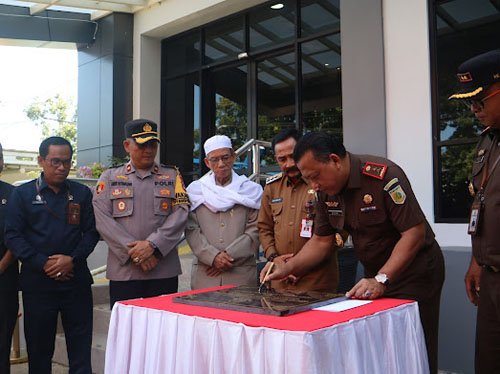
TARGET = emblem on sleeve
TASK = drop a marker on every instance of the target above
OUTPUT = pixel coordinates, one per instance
(181, 196)
(374, 170)
(398, 195)
(100, 187)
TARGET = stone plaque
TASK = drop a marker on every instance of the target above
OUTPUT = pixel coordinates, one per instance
(248, 299)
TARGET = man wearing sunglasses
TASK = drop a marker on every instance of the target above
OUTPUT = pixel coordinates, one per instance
(50, 228)
(479, 80)
(141, 209)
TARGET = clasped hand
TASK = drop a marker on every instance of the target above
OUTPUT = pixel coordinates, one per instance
(59, 267)
(141, 252)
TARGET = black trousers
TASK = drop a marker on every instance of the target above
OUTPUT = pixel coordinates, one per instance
(136, 289)
(40, 323)
(9, 307)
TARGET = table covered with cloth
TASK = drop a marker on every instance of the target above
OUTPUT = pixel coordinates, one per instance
(157, 335)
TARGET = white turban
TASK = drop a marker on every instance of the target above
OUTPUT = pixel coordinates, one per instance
(217, 142)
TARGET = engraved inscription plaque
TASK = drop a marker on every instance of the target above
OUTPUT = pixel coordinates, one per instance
(248, 299)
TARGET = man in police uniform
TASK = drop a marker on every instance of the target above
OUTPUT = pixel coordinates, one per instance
(8, 282)
(50, 228)
(479, 79)
(286, 216)
(372, 199)
(141, 209)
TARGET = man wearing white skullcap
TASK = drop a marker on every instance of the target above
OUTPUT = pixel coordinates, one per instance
(222, 225)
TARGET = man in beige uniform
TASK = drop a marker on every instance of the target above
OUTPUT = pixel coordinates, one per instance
(287, 205)
(141, 210)
(222, 226)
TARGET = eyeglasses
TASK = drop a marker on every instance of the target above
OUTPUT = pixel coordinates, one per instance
(480, 103)
(56, 162)
(215, 160)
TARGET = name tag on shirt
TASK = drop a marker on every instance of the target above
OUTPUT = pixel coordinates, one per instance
(306, 228)
(335, 212)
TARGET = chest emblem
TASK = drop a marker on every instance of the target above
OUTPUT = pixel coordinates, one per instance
(368, 199)
(116, 192)
(165, 192)
(164, 205)
(122, 177)
(4, 201)
(121, 206)
(331, 204)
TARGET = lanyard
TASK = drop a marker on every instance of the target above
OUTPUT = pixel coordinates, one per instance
(39, 197)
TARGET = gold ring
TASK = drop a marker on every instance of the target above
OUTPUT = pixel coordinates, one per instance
(58, 275)
(137, 260)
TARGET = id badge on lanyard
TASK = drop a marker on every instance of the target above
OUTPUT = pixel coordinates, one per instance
(475, 215)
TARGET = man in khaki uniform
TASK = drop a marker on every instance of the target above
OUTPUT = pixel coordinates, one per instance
(222, 226)
(141, 210)
(287, 207)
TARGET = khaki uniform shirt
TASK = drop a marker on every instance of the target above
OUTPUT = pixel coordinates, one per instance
(129, 206)
(280, 216)
(375, 207)
(486, 244)
(233, 231)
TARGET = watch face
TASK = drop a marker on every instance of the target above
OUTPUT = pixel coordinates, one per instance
(382, 278)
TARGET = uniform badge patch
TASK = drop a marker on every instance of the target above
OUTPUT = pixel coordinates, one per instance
(181, 196)
(4, 201)
(374, 170)
(127, 192)
(398, 195)
(163, 177)
(164, 205)
(273, 178)
(331, 204)
(121, 206)
(122, 177)
(116, 192)
(339, 242)
(100, 187)
(164, 192)
(367, 199)
(391, 183)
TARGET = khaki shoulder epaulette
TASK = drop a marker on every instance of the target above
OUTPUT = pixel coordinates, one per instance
(274, 178)
(115, 166)
(169, 166)
(374, 170)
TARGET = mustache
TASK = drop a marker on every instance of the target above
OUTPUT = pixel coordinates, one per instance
(293, 169)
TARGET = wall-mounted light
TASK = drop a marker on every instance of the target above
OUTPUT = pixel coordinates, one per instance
(277, 6)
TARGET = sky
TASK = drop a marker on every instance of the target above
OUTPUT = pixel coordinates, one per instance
(28, 74)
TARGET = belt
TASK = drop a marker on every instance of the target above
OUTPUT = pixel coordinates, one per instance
(494, 269)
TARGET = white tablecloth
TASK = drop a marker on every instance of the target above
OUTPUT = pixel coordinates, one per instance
(144, 340)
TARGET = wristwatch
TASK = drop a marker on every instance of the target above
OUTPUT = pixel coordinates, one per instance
(382, 278)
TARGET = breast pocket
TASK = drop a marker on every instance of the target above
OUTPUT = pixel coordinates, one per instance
(276, 210)
(371, 217)
(163, 198)
(123, 201)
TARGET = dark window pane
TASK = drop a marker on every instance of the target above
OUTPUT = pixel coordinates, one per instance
(230, 102)
(275, 95)
(456, 163)
(270, 27)
(224, 40)
(321, 86)
(182, 55)
(181, 124)
(464, 29)
(319, 15)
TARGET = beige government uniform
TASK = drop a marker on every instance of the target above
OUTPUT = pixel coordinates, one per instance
(129, 206)
(281, 213)
(234, 231)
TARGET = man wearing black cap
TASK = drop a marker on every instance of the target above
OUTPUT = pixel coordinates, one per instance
(141, 209)
(479, 80)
